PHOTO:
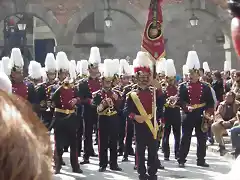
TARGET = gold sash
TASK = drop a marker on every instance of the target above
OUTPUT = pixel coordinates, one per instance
(143, 112)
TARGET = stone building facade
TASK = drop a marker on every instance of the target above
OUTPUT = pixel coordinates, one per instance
(79, 24)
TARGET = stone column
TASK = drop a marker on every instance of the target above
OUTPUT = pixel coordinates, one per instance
(227, 48)
(99, 23)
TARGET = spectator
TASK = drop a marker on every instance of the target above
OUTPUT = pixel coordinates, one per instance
(25, 149)
(217, 85)
(235, 137)
(231, 81)
(225, 118)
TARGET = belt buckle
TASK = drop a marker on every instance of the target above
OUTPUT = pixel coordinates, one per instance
(67, 111)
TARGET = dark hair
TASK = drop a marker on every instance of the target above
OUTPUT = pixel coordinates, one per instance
(201, 69)
(218, 75)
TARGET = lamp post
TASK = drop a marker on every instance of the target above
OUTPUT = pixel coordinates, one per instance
(108, 20)
(193, 19)
(21, 26)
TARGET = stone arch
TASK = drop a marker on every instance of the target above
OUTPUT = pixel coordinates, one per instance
(78, 17)
(36, 10)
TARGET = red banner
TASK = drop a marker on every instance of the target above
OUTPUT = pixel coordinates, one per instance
(153, 41)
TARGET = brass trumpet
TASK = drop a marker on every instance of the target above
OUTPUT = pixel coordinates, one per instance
(110, 103)
(172, 101)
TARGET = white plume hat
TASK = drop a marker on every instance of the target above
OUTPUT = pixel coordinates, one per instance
(62, 61)
(44, 74)
(160, 66)
(35, 70)
(185, 69)
(95, 57)
(142, 62)
(16, 59)
(50, 62)
(72, 69)
(124, 68)
(206, 67)
(5, 83)
(170, 70)
(84, 68)
(79, 65)
(116, 62)
(109, 70)
(5, 66)
(193, 60)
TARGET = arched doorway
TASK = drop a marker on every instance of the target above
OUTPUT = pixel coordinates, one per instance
(30, 34)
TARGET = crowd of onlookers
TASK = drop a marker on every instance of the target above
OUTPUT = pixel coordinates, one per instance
(226, 121)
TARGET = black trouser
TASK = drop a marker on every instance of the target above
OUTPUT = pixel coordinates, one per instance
(193, 120)
(144, 139)
(65, 132)
(172, 121)
(90, 117)
(108, 137)
(122, 132)
(129, 137)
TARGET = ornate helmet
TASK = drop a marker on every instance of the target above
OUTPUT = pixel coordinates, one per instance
(95, 57)
(206, 67)
(34, 70)
(142, 63)
(50, 63)
(62, 61)
(5, 66)
(108, 69)
(124, 68)
(193, 63)
(170, 70)
(16, 60)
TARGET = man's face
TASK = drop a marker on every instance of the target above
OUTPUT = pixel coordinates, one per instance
(94, 71)
(233, 73)
(201, 73)
(144, 78)
(171, 81)
(125, 80)
(51, 75)
(107, 83)
(194, 76)
(229, 98)
(62, 75)
(17, 75)
(237, 78)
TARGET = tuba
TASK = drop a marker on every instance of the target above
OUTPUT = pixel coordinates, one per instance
(207, 121)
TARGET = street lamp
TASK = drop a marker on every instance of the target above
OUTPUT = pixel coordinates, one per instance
(108, 21)
(22, 26)
(193, 20)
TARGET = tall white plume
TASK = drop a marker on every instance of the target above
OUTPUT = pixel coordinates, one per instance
(5, 65)
(62, 61)
(35, 70)
(95, 57)
(193, 60)
(50, 62)
(206, 67)
(16, 58)
(170, 70)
